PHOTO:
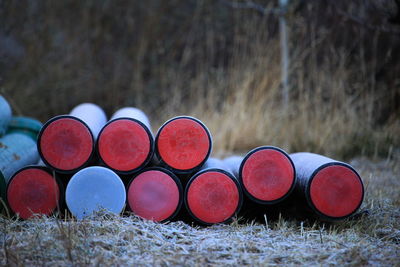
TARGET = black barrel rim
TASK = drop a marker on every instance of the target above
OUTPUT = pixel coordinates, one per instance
(145, 162)
(170, 174)
(238, 186)
(251, 197)
(179, 171)
(86, 163)
(61, 188)
(308, 195)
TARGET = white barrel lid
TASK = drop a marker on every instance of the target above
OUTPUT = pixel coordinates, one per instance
(93, 189)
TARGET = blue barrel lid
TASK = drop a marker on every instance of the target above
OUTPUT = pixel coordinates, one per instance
(3, 187)
(26, 125)
(5, 114)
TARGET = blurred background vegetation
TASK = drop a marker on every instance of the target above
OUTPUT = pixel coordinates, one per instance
(218, 61)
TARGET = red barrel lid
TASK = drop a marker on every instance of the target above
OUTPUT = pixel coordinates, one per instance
(154, 195)
(336, 191)
(183, 143)
(31, 191)
(267, 174)
(125, 145)
(212, 197)
(65, 143)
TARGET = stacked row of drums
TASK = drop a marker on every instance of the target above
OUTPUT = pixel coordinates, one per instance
(89, 164)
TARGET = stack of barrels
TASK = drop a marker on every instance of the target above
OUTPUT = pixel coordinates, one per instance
(88, 164)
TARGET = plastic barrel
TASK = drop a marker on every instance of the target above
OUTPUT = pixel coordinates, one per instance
(93, 115)
(233, 163)
(28, 126)
(33, 191)
(5, 115)
(66, 143)
(267, 175)
(133, 113)
(213, 195)
(183, 144)
(93, 189)
(3, 190)
(155, 194)
(126, 144)
(333, 189)
(18, 148)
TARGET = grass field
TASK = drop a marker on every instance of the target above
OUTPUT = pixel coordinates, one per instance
(220, 64)
(371, 239)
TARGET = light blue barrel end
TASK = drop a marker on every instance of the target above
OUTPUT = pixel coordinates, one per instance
(17, 150)
(94, 189)
(5, 115)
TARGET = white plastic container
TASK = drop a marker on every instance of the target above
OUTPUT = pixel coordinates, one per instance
(133, 113)
(93, 189)
(233, 164)
(93, 115)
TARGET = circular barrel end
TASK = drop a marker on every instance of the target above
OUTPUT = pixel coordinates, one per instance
(125, 145)
(267, 175)
(212, 197)
(336, 191)
(65, 143)
(154, 195)
(93, 189)
(32, 191)
(183, 143)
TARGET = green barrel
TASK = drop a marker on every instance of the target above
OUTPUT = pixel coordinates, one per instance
(18, 147)
(28, 126)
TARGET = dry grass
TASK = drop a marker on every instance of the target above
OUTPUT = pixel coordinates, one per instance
(104, 240)
(220, 64)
